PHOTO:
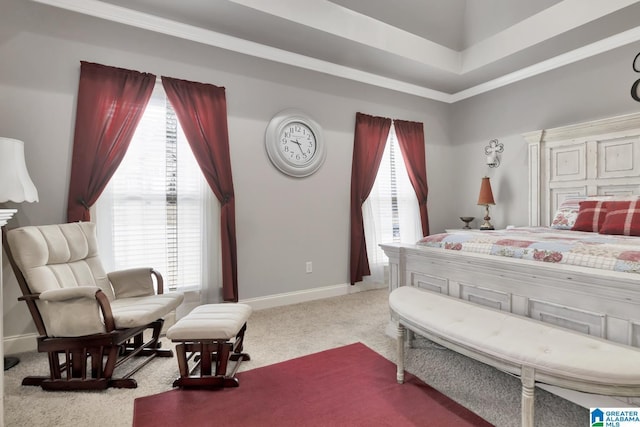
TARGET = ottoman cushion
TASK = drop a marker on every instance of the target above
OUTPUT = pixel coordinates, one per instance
(211, 322)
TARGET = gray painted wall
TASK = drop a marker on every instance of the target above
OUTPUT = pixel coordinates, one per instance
(594, 88)
(282, 222)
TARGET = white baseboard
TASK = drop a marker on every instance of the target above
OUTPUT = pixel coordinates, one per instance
(27, 342)
(296, 297)
(20, 343)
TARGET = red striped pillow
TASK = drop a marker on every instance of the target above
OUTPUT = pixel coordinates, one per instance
(622, 218)
(590, 216)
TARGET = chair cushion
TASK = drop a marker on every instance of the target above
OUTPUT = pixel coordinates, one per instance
(140, 311)
(59, 256)
(134, 282)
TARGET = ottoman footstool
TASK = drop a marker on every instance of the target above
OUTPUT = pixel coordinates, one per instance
(211, 334)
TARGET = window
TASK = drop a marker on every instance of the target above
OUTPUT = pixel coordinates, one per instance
(154, 211)
(391, 212)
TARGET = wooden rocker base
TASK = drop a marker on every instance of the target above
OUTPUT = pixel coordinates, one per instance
(89, 364)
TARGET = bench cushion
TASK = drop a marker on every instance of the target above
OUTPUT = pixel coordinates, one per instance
(518, 340)
(211, 322)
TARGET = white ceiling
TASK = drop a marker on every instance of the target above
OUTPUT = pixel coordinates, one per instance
(446, 50)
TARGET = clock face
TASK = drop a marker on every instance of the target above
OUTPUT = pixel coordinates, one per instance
(297, 143)
(294, 143)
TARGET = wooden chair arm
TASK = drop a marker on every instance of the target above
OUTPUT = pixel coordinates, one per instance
(29, 297)
(105, 307)
(159, 281)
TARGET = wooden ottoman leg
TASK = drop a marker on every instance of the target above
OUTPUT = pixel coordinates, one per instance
(237, 354)
(223, 357)
(205, 359)
(182, 363)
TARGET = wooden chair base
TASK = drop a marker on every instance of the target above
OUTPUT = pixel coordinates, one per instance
(89, 363)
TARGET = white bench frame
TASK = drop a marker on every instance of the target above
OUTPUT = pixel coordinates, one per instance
(528, 374)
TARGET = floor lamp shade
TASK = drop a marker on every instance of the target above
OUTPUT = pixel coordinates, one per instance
(15, 186)
(486, 198)
(15, 183)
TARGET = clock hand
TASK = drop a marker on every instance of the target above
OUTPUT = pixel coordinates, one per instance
(295, 141)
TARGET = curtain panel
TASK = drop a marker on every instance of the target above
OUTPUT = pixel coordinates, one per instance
(410, 137)
(368, 147)
(111, 102)
(202, 111)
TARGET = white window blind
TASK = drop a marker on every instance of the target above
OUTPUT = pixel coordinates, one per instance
(153, 212)
(391, 212)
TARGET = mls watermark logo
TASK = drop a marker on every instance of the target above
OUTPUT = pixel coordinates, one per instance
(614, 417)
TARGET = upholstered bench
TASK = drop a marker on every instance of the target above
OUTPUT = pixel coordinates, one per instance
(535, 351)
(211, 334)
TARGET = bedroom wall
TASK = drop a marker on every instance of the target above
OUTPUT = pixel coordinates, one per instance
(281, 222)
(594, 88)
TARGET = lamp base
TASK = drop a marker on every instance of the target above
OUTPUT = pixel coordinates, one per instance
(486, 225)
(10, 362)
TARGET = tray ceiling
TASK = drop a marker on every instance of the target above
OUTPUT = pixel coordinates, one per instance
(446, 50)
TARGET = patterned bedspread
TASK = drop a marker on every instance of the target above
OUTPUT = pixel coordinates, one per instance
(607, 252)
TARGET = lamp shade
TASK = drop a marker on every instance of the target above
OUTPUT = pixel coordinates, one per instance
(486, 195)
(15, 183)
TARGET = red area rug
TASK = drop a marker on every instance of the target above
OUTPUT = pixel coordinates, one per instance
(346, 386)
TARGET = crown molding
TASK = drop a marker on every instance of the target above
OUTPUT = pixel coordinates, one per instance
(584, 52)
(157, 24)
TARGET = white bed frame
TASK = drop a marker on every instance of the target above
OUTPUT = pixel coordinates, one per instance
(596, 158)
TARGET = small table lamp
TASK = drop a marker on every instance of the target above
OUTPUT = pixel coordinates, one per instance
(486, 198)
(15, 186)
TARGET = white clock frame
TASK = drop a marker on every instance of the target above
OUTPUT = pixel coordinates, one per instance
(272, 138)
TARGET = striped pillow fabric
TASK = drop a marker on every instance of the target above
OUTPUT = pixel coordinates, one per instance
(591, 215)
(622, 218)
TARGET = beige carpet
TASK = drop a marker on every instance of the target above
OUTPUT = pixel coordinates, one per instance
(282, 333)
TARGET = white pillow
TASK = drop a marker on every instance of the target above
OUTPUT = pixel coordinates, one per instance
(567, 213)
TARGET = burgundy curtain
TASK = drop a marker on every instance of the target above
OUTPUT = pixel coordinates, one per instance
(111, 102)
(368, 146)
(411, 140)
(202, 111)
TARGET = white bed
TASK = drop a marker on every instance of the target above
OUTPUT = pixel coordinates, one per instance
(595, 158)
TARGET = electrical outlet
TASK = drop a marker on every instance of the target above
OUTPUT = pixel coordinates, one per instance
(309, 267)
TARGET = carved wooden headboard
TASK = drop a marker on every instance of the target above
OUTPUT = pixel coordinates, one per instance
(601, 157)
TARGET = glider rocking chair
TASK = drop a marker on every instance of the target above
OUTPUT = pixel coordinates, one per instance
(89, 322)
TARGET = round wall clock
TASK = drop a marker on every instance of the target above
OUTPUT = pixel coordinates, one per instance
(294, 143)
